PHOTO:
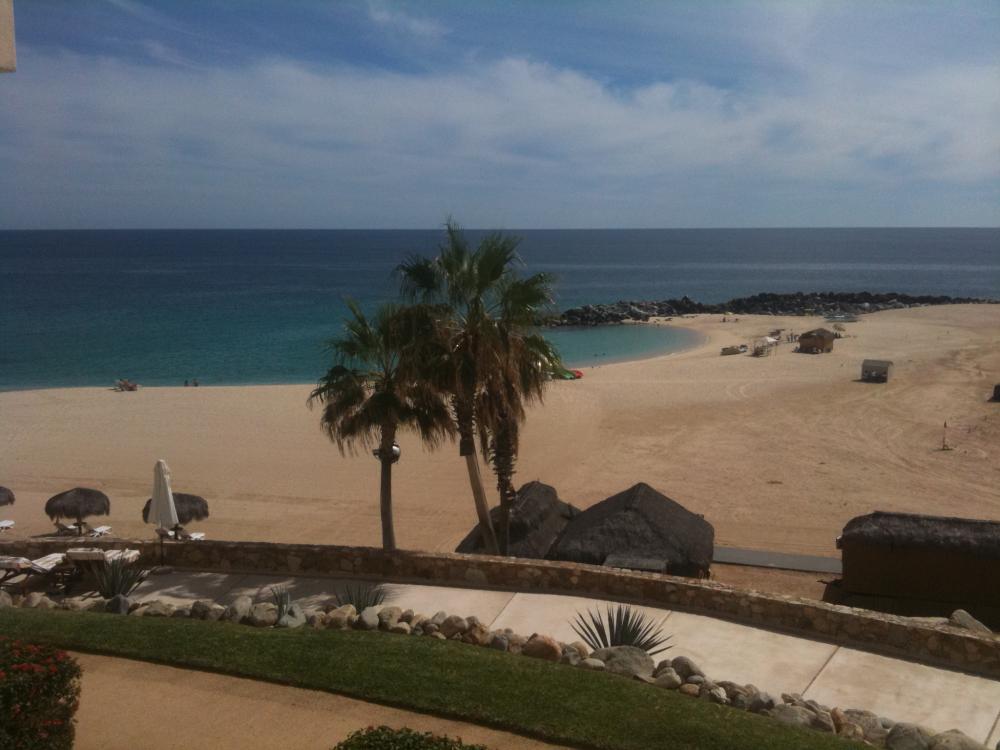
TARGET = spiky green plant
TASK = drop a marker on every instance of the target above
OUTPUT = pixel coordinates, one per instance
(118, 577)
(362, 595)
(282, 600)
(621, 625)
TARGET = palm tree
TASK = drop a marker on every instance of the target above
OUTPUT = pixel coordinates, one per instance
(373, 390)
(485, 311)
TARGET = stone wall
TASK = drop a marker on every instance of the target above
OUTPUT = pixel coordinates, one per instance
(865, 629)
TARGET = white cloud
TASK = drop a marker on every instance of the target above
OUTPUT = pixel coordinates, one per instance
(103, 142)
(424, 28)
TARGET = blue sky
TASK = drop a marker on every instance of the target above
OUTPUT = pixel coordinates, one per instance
(377, 114)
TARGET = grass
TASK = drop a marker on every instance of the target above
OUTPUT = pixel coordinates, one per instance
(552, 702)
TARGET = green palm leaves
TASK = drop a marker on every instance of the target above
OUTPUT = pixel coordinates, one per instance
(621, 625)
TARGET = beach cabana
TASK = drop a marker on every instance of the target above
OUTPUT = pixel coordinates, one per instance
(875, 370)
(642, 525)
(6, 496)
(537, 518)
(996, 392)
(925, 558)
(189, 508)
(816, 341)
(77, 504)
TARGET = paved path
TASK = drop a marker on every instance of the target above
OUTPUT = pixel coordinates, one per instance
(780, 560)
(775, 662)
(126, 705)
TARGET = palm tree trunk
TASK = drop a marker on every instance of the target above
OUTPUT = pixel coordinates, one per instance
(503, 454)
(467, 448)
(385, 489)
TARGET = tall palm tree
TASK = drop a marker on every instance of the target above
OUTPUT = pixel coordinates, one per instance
(485, 311)
(373, 389)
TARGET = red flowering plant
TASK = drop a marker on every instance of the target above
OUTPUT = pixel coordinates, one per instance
(39, 695)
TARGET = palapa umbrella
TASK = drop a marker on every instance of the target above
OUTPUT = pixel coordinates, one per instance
(78, 503)
(189, 508)
(6, 496)
(161, 509)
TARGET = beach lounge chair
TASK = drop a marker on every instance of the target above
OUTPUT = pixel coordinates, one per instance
(180, 535)
(11, 567)
(100, 531)
(6, 525)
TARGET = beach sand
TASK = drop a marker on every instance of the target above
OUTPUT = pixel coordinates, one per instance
(776, 452)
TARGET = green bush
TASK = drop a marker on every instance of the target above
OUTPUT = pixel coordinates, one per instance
(362, 595)
(621, 625)
(118, 577)
(39, 695)
(385, 738)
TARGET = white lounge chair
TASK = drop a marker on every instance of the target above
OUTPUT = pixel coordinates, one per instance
(100, 531)
(96, 554)
(6, 525)
(11, 567)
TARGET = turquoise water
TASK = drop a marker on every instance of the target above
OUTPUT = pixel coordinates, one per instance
(234, 307)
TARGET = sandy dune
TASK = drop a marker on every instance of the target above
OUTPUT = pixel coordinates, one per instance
(777, 452)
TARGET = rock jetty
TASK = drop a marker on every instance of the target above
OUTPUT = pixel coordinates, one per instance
(795, 303)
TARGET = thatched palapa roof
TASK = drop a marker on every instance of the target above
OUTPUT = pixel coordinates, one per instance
(6, 496)
(979, 538)
(78, 503)
(639, 524)
(537, 518)
(189, 508)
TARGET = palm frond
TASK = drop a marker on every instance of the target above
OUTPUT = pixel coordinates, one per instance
(621, 625)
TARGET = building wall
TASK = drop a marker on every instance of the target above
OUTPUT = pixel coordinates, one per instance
(8, 56)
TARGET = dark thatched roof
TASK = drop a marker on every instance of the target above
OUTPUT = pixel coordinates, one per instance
(189, 508)
(978, 538)
(536, 520)
(821, 333)
(6, 496)
(78, 503)
(642, 524)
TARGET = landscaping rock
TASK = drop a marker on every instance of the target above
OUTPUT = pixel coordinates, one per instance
(38, 600)
(850, 731)
(478, 635)
(118, 605)
(761, 702)
(515, 643)
(438, 635)
(400, 628)
(368, 619)
(388, 616)
(407, 617)
(499, 642)
(668, 678)
(738, 695)
(156, 608)
(295, 617)
(581, 648)
(454, 625)
(570, 656)
(695, 679)
(263, 615)
(200, 609)
(714, 694)
(962, 619)
(689, 689)
(340, 618)
(795, 716)
(215, 613)
(429, 627)
(870, 723)
(542, 647)
(684, 667)
(905, 736)
(316, 619)
(439, 617)
(663, 664)
(626, 660)
(239, 609)
(181, 612)
(5, 600)
(594, 665)
(954, 740)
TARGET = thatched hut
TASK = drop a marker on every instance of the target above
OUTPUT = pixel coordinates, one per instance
(816, 341)
(996, 392)
(189, 508)
(537, 518)
(78, 503)
(6, 496)
(876, 370)
(928, 558)
(643, 526)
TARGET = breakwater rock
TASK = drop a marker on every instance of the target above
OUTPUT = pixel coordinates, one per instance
(796, 303)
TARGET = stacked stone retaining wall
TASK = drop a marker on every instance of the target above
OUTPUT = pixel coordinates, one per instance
(940, 645)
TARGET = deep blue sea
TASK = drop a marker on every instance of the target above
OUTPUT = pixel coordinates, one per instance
(226, 307)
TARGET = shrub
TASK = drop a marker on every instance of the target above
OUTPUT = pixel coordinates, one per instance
(385, 738)
(39, 695)
(621, 625)
(362, 595)
(118, 577)
(282, 600)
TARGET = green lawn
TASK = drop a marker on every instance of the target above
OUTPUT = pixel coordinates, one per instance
(552, 702)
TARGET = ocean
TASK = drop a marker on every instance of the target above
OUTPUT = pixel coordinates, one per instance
(84, 308)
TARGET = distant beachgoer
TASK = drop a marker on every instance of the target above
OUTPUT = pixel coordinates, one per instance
(195, 382)
(185, 384)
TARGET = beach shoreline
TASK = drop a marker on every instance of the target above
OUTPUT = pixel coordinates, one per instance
(777, 452)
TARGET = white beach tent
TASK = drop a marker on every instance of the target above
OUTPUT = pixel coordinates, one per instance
(162, 510)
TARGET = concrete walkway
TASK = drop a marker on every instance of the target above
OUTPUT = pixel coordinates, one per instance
(833, 675)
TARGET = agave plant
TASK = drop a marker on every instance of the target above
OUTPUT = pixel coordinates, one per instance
(362, 595)
(118, 577)
(282, 600)
(621, 625)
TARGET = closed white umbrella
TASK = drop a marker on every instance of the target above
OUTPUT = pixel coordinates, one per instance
(162, 510)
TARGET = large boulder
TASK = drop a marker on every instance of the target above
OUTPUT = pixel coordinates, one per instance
(905, 736)
(264, 615)
(626, 660)
(954, 740)
(239, 609)
(295, 617)
(119, 604)
(537, 518)
(542, 647)
(639, 528)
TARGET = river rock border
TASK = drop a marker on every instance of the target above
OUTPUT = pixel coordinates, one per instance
(680, 673)
(914, 639)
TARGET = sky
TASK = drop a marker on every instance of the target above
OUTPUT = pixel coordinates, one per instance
(507, 114)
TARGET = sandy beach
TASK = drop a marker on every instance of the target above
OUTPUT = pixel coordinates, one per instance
(777, 452)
